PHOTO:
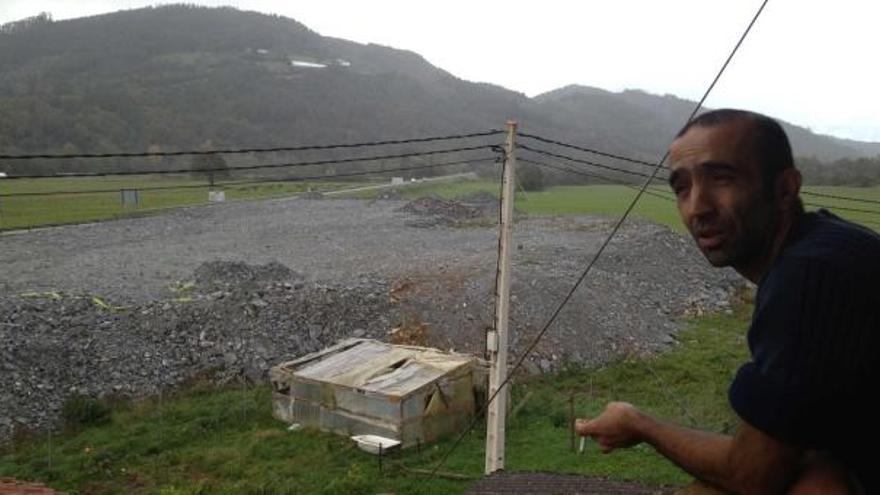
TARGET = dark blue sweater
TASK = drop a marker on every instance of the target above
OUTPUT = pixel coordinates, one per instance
(815, 344)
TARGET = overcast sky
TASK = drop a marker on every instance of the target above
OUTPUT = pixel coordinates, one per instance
(810, 62)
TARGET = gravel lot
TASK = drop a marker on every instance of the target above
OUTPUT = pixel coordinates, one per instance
(204, 288)
(135, 260)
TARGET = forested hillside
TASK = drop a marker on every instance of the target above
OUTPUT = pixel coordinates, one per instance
(186, 77)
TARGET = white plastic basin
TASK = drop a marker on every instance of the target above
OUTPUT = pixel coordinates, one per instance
(375, 444)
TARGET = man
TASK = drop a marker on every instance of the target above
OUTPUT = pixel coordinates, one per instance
(809, 423)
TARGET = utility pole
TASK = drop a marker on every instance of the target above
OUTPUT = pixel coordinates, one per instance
(496, 339)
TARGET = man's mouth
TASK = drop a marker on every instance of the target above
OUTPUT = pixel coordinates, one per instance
(709, 240)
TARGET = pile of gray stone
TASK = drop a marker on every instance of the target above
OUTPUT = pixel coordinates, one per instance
(233, 324)
(434, 211)
(230, 320)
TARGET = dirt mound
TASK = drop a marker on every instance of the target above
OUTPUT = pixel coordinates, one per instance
(446, 208)
(229, 273)
(438, 211)
(478, 198)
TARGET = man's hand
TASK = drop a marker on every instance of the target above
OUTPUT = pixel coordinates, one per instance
(749, 462)
(613, 429)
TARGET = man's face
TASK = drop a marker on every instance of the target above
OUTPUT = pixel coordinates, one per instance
(719, 188)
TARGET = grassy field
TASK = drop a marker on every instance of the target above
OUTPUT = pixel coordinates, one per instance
(29, 211)
(207, 440)
(871, 218)
(612, 200)
(82, 206)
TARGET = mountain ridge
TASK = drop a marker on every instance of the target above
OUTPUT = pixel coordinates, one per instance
(175, 77)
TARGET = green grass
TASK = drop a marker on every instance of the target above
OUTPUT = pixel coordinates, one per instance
(599, 199)
(31, 211)
(612, 200)
(208, 440)
(871, 220)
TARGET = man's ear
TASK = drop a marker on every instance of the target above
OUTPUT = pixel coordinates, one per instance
(788, 187)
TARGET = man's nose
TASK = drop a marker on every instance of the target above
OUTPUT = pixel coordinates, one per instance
(701, 202)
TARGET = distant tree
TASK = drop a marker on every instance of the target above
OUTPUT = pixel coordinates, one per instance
(860, 172)
(155, 161)
(27, 23)
(213, 167)
(531, 178)
(175, 74)
(69, 166)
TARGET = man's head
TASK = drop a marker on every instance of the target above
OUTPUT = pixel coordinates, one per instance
(736, 186)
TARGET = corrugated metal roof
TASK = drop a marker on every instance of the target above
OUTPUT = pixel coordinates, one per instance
(379, 367)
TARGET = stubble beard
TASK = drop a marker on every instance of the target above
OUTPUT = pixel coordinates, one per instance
(752, 236)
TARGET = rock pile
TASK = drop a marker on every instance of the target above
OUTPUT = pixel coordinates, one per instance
(479, 198)
(234, 273)
(232, 320)
(437, 211)
(53, 345)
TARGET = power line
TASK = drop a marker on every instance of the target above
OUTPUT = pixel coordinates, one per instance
(649, 164)
(641, 162)
(588, 150)
(602, 248)
(371, 172)
(639, 174)
(842, 208)
(251, 150)
(579, 160)
(252, 167)
(593, 175)
(116, 190)
(667, 198)
(845, 198)
(260, 181)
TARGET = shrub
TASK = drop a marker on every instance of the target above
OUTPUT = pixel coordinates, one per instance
(81, 410)
(531, 178)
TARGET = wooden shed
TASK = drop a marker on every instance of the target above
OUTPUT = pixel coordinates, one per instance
(366, 387)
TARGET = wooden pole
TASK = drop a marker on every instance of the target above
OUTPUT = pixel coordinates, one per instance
(497, 338)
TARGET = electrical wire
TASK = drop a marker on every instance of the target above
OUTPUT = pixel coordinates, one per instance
(593, 175)
(615, 169)
(260, 181)
(598, 254)
(845, 198)
(251, 150)
(587, 150)
(585, 162)
(253, 167)
(641, 162)
(842, 208)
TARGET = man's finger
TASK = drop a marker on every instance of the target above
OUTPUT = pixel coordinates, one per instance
(582, 426)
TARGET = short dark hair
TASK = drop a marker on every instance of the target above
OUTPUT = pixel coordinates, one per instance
(771, 144)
